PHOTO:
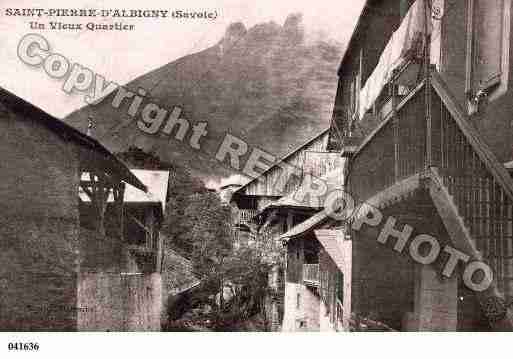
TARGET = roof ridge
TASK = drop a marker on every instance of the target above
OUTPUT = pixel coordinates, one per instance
(284, 157)
(19, 105)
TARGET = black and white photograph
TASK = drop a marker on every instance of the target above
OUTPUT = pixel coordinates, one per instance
(202, 169)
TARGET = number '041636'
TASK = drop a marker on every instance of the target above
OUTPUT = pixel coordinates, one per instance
(21, 346)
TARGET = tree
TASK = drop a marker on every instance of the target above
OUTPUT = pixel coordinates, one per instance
(208, 240)
(209, 226)
(181, 185)
(198, 226)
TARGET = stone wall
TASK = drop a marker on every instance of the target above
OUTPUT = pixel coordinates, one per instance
(382, 280)
(38, 227)
(119, 302)
(309, 304)
(301, 308)
(436, 300)
(110, 299)
(325, 325)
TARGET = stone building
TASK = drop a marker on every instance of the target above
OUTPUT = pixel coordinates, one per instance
(425, 94)
(265, 208)
(124, 281)
(422, 121)
(48, 252)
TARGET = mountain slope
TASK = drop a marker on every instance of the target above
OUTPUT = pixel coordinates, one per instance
(266, 85)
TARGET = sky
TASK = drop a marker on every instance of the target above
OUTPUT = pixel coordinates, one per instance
(122, 56)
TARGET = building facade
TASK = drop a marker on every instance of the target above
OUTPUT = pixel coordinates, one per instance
(60, 256)
(424, 92)
(421, 133)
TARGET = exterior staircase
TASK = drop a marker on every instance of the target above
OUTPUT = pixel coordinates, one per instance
(471, 190)
(473, 194)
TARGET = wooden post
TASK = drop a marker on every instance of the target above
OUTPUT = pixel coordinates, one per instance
(395, 124)
(119, 194)
(427, 61)
(98, 190)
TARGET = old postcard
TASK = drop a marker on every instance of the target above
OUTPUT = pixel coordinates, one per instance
(233, 166)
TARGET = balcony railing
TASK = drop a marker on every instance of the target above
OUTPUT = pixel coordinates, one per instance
(244, 216)
(393, 151)
(479, 193)
(406, 144)
(311, 274)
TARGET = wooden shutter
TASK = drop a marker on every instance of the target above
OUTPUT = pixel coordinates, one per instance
(340, 286)
(488, 23)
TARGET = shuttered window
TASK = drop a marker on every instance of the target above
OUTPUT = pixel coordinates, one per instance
(485, 44)
(340, 286)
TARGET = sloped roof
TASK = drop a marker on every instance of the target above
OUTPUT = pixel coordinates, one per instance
(155, 181)
(306, 226)
(332, 241)
(334, 180)
(284, 158)
(356, 29)
(29, 111)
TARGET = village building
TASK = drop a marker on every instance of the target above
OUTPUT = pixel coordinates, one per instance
(67, 261)
(109, 275)
(313, 280)
(421, 127)
(265, 209)
(424, 93)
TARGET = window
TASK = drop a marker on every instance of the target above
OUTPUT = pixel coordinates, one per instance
(354, 85)
(339, 301)
(332, 292)
(487, 47)
(353, 94)
(298, 301)
(340, 286)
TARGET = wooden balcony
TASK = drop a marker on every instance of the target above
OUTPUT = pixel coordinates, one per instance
(311, 275)
(244, 216)
(146, 259)
(436, 149)
(319, 163)
(393, 151)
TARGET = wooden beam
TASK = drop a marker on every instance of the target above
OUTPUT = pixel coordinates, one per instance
(388, 118)
(395, 193)
(497, 169)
